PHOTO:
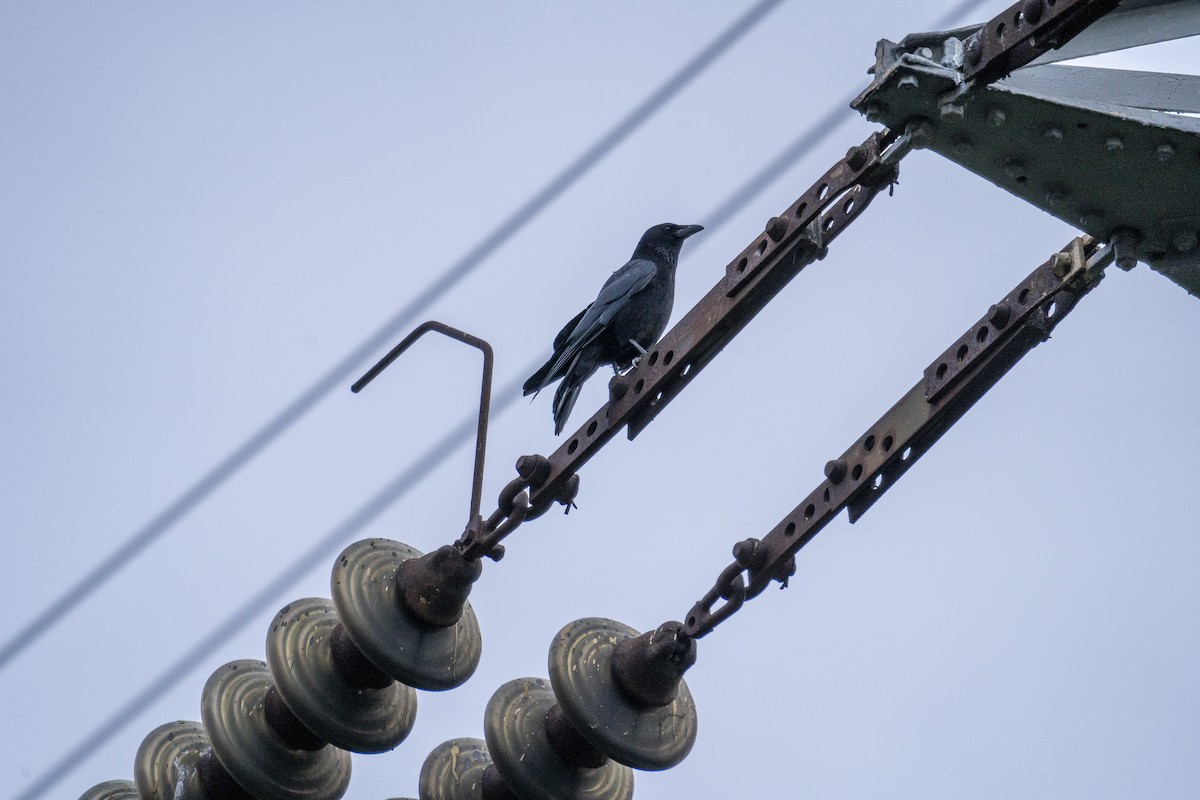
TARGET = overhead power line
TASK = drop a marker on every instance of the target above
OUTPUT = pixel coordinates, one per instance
(407, 317)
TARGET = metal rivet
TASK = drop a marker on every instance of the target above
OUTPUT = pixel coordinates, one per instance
(995, 116)
(1114, 143)
(908, 82)
(835, 470)
(1055, 197)
(1031, 10)
(1053, 133)
(952, 112)
(925, 52)
(1165, 152)
(1015, 168)
(856, 157)
(1090, 219)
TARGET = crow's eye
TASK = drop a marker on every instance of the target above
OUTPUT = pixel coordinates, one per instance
(668, 228)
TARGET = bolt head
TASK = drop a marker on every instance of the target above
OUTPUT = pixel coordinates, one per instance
(974, 50)
(999, 315)
(835, 470)
(776, 228)
(856, 157)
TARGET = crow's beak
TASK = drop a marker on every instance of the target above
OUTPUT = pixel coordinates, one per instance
(688, 230)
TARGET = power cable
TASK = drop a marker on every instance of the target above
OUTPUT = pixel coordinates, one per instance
(433, 457)
(406, 318)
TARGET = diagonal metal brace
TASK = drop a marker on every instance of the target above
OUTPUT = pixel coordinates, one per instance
(752, 279)
(860, 476)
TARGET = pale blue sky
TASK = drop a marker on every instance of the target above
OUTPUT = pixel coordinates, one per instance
(207, 206)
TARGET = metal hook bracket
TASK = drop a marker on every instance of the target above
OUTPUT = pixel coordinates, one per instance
(485, 391)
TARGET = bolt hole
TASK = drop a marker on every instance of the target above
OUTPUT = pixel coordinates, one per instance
(657, 398)
(848, 206)
(809, 510)
(907, 454)
(691, 622)
(791, 528)
(762, 248)
(961, 353)
(1081, 126)
(592, 428)
(800, 209)
(686, 369)
(1051, 310)
(1023, 297)
(653, 358)
(878, 482)
(668, 358)
(856, 473)
(1024, 179)
(887, 444)
(869, 443)
(573, 446)
(981, 337)
(637, 387)
(827, 225)
(941, 371)
(1017, 19)
(999, 28)
(825, 494)
(741, 267)
(823, 192)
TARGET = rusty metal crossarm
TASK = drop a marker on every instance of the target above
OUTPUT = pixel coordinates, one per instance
(1024, 31)
(792, 240)
(860, 476)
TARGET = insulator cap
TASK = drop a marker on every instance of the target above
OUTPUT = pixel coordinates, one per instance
(412, 652)
(301, 659)
(252, 753)
(454, 770)
(514, 726)
(111, 790)
(167, 764)
(631, 732)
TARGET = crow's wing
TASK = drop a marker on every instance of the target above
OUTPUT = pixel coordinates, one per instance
(614, 296)
(560, 341)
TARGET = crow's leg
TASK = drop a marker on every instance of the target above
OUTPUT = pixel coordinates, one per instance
(640, 349)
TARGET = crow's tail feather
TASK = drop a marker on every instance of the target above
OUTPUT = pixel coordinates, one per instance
(577, 373)
(538, 380)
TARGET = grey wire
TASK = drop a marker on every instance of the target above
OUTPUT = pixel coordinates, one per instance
(404, 319)
(460, 435)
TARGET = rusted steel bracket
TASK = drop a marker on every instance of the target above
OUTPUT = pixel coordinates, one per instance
(792, 240)
(860, 476)
(485, 391)
(1024, 31)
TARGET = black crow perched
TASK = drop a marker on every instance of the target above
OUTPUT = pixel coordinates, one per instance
(623, 322)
